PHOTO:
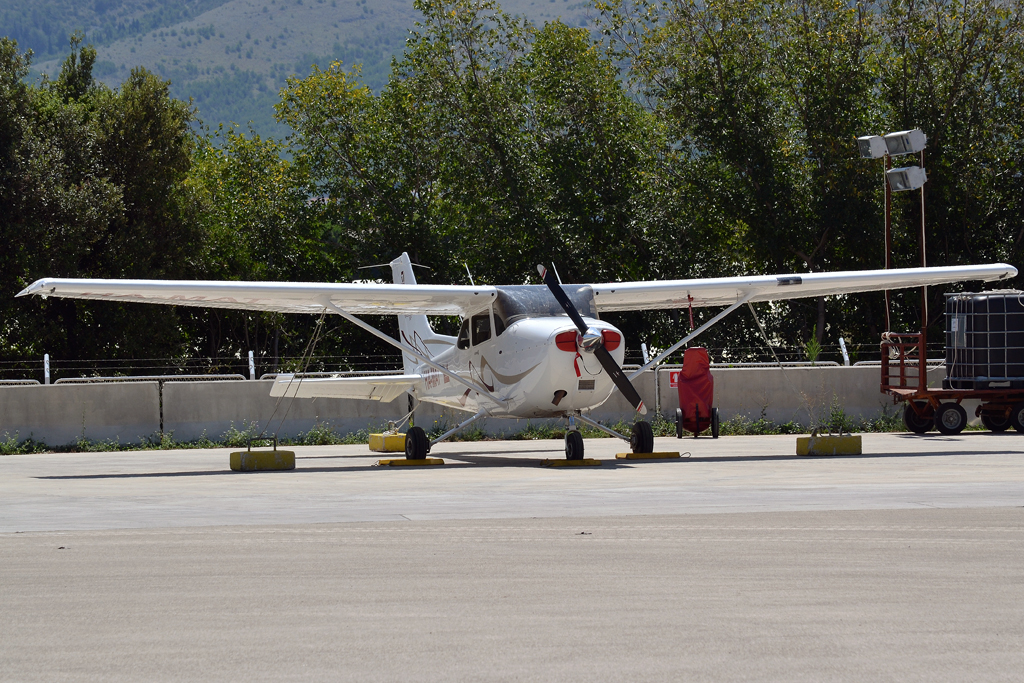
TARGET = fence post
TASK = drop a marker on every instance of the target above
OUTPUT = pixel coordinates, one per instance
(252, 367)
(46, 368)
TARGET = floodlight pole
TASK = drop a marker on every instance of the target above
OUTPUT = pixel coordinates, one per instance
(924, 263)
(888, 231)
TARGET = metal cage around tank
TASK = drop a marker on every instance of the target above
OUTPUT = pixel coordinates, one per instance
(985, 340)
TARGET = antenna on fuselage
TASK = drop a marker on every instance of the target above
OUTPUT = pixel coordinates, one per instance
(469, 274)
(556, 272)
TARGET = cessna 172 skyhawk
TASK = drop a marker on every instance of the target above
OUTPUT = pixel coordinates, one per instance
(523, 351)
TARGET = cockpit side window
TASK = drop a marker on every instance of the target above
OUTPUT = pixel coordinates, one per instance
(499, 325)
(481, 328)
(463, 341)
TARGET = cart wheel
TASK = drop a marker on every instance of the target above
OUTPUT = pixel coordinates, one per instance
(1017, 417)
(995, 423)
(950, 418)
(714, 423)
(915, 423)
(679, 423)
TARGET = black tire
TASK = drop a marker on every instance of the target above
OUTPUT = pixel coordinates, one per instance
(1017, 417)
(573, 445)
(950, 418)
(679, 423)
(995, 423)
(642, 438)
(714, 423)
(417, 445)
(916, 424)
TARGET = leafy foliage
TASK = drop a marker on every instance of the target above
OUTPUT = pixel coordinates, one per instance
(691, 139)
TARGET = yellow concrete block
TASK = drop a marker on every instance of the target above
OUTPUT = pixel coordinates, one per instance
(257, 461)
(406, 462)
(387, 443)
(647, 456)
(848, 444)
(585, 462)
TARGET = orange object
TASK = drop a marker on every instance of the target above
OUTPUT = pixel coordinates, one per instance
(696, 390)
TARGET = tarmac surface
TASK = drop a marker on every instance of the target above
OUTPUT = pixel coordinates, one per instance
(742, 562)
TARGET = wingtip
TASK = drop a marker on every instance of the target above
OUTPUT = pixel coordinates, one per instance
(33, 288)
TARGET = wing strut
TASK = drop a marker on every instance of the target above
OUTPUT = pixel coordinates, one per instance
(675, 347)
(413, 352)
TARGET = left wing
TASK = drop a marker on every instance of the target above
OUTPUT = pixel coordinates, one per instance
(637, 296)
(384, 388)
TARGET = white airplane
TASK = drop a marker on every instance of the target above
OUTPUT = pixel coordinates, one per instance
(523, 351)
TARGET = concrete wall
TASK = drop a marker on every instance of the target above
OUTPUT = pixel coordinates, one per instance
(799, 394)
(63, 413)
(192, 409)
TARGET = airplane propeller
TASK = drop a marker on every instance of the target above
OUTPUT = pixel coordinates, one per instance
(592, 341)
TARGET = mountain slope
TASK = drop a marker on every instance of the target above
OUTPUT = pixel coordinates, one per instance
(233, 57)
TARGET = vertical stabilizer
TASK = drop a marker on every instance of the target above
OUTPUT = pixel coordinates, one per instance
(415, 330)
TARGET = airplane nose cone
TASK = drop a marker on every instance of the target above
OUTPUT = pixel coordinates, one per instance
(590, 340)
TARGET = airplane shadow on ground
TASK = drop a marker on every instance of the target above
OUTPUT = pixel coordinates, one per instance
(465, 461)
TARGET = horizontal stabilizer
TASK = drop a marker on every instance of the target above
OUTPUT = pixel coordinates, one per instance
(384, 388)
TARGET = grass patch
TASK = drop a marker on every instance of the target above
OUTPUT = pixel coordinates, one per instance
(10, 445)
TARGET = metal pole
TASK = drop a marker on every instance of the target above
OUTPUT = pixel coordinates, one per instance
(46, 368)
(888, 232)
(924, 263)
(252, 367)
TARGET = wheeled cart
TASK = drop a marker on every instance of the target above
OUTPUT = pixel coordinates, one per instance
(905, 378)
(696, 389)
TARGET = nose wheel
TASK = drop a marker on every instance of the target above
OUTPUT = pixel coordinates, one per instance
(573, 445)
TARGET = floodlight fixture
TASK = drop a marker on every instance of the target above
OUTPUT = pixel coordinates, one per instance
(872, 147)
(906, 178)
(906, 142)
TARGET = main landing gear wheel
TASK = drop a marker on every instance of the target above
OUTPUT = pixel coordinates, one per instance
(950, 418)
(714, 423)
(996, 423)
(642, 438)
(1017, 417)
(919, 424)
(417, 445)
(679, 423)
(573, 445)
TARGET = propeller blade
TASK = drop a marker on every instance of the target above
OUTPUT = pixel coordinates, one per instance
(620, 379)
(562, 298)
(603, 356)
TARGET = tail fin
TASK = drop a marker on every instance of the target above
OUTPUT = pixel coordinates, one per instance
(415, 330)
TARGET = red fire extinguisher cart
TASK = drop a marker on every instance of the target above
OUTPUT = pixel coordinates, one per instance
(696, 394)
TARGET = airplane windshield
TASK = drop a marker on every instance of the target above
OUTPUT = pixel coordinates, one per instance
(536, 301)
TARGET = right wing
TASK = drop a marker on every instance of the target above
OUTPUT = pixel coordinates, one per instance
(385, 388)
(283, 297)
